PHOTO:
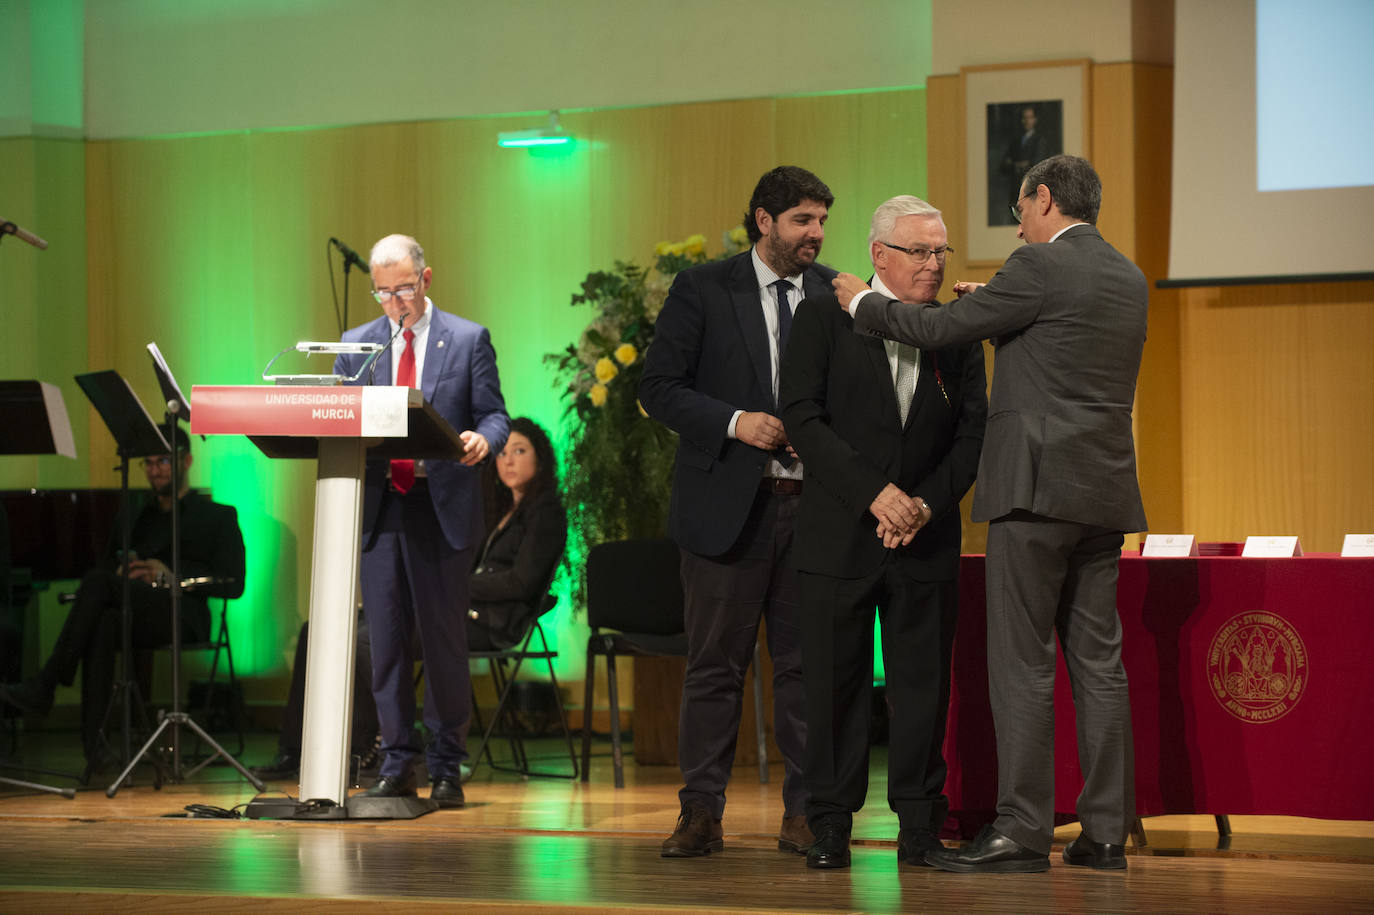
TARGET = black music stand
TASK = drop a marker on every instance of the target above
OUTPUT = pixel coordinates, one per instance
(136, 436)
(34, 416)
(178, 407)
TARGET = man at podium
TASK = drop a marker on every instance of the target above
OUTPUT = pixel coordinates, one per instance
(211, 548)
(422, 520)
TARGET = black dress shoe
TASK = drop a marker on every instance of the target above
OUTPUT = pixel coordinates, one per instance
(831, 848)
(990, 853)
(1103, 856)
(447, 792)
(913, 844)
(392, 786)
(286, 765)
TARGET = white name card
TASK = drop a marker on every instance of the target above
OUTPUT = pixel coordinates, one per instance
(1358, 545)
(1271, 547)
(1169, 545)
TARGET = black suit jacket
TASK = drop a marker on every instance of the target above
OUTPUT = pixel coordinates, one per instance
(841, 414)
(509, 581)
(709, 358)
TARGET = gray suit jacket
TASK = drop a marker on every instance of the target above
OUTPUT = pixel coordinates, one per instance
(1068, 320)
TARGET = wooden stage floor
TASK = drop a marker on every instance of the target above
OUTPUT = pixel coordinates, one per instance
(548, 845)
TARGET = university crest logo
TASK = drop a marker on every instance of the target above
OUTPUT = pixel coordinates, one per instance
(1257, 666)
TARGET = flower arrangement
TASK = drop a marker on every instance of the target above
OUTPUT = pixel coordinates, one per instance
(618, 462)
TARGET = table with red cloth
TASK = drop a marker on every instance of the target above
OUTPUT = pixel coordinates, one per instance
(1251, 682)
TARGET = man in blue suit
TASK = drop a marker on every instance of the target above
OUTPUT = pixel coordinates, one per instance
(422, 521)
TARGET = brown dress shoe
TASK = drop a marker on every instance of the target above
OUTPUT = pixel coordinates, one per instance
(697, 833)
(795, 835)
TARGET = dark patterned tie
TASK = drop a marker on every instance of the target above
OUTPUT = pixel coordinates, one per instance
(780, 288)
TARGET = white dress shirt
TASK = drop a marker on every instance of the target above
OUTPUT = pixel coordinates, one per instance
(768, 302)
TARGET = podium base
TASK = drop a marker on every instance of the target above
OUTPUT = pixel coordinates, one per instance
(389, 808)
(279, 807)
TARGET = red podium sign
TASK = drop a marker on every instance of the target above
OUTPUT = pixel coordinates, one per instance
(336, 412)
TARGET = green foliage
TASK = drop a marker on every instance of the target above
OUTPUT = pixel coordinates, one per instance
(618, 462)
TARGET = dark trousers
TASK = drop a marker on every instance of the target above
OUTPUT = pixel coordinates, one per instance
(1048, 577)
(92, 636)
(918, 620)
(364, 728)
(725, 597)
(416, 584)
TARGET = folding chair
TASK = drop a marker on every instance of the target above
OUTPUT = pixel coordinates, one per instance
(504, 717)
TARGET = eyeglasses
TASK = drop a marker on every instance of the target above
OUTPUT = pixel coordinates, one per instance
(921, 252)
(1016, 207)
(160, 461)
(405, 292)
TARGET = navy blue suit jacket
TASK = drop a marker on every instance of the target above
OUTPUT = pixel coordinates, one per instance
(709, 358)
(461, 383)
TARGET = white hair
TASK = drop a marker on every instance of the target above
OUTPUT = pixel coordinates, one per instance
(395, 248)
(889, 211)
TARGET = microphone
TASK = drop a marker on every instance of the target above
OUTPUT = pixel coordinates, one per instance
(9, 228)
(400, 325)
(350, 256)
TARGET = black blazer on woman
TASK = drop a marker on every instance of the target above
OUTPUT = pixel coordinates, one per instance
(513, 571)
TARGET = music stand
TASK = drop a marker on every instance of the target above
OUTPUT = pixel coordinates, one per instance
(178, 407)
(135, 435)
(35, 419)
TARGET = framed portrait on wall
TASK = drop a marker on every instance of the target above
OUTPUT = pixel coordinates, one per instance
(1014, 116)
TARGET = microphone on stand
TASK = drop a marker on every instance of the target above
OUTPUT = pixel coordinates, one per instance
(400, 325)
(350, 256)
(9, 228)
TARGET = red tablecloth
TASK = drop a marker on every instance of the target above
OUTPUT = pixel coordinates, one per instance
(1252, 689)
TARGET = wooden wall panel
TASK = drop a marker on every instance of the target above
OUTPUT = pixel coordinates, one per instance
(1277, 426)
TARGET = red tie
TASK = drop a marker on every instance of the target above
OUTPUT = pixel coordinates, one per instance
(403, 471)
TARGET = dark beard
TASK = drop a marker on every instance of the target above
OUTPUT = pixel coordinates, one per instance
(787, 261)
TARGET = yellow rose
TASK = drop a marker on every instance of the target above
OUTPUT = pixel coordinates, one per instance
(661, 248)
(695, 244)
(677, 247)
(605, 370)
(598, 395)
(626, 353)
(739, 236)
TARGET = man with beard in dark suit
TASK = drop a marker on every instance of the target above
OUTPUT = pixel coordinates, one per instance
(711, 375)
(890, 435)
(1058, 484)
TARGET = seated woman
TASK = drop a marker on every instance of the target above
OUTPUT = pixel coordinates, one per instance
(527, 530)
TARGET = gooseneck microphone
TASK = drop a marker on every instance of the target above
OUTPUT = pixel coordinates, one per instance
(350, 256)
(19, 232)
(400, 325)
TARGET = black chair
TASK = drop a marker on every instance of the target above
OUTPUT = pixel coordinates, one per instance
(219, 644)
(504, 665)
(634, 589)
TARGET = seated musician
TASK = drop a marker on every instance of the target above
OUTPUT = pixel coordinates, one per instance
(527, 532)
(211, 549)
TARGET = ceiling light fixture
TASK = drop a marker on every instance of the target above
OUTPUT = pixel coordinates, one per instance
(550, 135)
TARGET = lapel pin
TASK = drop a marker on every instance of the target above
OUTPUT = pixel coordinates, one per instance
(440, 344)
